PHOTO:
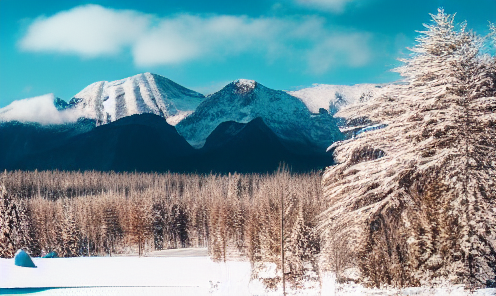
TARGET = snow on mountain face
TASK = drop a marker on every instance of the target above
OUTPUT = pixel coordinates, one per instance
(244, 85)
(143, 93)
(335, 97)
(243, 100)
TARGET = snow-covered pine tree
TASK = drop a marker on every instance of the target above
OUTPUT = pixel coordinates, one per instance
(16, 228)
(420, 211)
(111, 226)
(7, 224)
(70, 232)
(158, 224)
(300, 249)
(28, 240)
(430, 56)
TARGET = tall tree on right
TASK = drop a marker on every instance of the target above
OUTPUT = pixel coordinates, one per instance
(422, 210)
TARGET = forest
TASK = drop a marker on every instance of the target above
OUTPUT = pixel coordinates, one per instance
(104, 214)
(410, 204)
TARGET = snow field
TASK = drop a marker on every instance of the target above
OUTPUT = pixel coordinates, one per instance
(172, 276)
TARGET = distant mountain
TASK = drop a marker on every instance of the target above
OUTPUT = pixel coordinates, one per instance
(149, 123)
(143, 93)
(147, 143)
(244, 100)
(143, 142)
(253, 147)
(21, 139)
(334, 97)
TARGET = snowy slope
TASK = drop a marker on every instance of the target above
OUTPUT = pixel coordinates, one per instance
(143, 93)
(244, 100)
(334, 97)
(173, 276)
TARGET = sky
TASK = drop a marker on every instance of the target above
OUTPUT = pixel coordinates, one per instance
(60, 47)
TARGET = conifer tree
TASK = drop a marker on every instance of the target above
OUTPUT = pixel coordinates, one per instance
(435, 46)
(140, 229)
(158, 217)
(111, 227)
(70, 233)
(421, 210)
(16, 227)
(7, 223)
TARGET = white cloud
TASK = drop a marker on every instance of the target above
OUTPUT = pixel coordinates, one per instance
(187, 37)
(38, 109)
(92, 31)
(335, 6)
(339, 50)
(89, 31)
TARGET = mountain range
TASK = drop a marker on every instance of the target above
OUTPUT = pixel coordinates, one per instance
(244, 127)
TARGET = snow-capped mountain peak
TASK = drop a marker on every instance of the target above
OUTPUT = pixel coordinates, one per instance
(244, 100)
(334, 97)
(244, 85)
(107, 101)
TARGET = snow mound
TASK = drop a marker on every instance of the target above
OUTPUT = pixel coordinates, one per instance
(179, 276)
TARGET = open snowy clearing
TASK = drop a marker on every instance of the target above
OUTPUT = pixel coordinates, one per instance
(183, 252)
(166, 276)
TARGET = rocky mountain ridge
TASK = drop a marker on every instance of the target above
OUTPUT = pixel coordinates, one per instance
(143, 93)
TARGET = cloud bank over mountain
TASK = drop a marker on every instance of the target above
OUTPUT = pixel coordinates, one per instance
(37, 109)
(154, 41)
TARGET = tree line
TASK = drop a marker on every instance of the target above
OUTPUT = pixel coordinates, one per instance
(96, 214)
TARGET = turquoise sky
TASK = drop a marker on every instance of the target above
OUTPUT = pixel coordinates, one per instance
(60, 47)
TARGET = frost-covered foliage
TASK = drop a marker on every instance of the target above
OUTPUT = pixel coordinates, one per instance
(415, 202)
(16, 229)
(236, 216)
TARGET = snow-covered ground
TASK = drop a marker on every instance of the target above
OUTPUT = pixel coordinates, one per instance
(168, 276)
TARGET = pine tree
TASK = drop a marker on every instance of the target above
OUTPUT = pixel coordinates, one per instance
(29, 240)
(8, 223)
(299, 248)
(140, 228)
(158, 217)
(431, 55)
(16, 227)
(111, 227)
(70, 233)
(421, 211)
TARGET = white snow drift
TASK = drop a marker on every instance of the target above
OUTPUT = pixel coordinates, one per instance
(172, 276)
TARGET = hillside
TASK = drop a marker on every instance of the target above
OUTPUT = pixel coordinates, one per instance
(334, 97)
(253, 147)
